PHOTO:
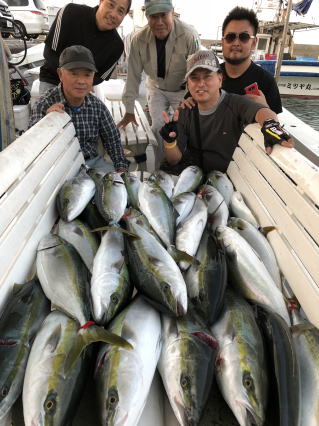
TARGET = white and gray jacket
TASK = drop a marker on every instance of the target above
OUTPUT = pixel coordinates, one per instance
(183, 41)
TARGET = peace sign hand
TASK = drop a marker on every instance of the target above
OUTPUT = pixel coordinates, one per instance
(169, 130)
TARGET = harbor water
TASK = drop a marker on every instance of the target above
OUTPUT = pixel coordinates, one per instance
(306, 110)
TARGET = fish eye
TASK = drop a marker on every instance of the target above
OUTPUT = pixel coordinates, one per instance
(4, 391)
(166, 287)
(112, 399)
(185, 382)
(50, 403)
(248, 381)
(114, 298)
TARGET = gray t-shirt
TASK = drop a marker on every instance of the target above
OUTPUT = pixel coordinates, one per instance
(220, 130)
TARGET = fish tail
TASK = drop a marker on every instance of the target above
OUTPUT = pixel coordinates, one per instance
(90, 333)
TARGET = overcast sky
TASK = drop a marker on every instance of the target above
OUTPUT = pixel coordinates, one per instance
(207, 15)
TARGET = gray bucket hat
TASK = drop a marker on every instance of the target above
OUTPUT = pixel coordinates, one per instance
(77, 57)
(157, 6)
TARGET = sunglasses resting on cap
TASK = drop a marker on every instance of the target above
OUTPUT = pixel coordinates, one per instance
(243, 37)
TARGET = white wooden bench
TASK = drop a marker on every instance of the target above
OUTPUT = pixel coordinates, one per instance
(138, 140)
(283, 190)
(32, 168)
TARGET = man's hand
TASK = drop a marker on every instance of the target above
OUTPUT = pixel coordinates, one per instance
(260, 99)
(56, 108)
(275, 134)
(187, 103)
(128, 118)
(169, 130)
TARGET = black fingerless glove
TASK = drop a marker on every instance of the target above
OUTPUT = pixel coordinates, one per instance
(169, 127)
(273, 133)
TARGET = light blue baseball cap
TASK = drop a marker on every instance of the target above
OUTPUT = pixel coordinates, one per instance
(157, 6)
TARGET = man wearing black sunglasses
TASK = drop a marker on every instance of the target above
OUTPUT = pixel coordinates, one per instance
(239, 31)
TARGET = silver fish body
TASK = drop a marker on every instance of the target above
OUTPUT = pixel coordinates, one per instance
(64, 277)
(240, 209)
(183, 204)
(159, 210)
(50, 396)
(80, 236)
(75, 194)
(155, 273)
(186, 366)
(241, 367)
(283, 362)
(132, 183)
(206, 281)
(222, 183)
(217, 209)
(248, 272)
(188, 181)
(110, 285)
(189, 232)
(259, 243)
(20, 320)
(164, 180)
(111, 197)
(123, 378)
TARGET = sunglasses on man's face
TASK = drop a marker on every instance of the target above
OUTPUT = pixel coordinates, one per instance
(243, 37)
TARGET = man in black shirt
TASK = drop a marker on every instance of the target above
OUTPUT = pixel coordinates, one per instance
(94, 28)
(239, 40)
(239, 71)
(207, 135)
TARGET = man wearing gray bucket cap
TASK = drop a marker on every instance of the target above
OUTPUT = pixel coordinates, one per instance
(89, 114)
(160, 49)
(207, 134)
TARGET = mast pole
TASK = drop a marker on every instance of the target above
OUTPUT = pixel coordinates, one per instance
(283, 41)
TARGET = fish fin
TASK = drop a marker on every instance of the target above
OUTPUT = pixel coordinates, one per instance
(299, 328)
(54, 338)
(119, 264)
(89, 335)
(266, 229)
(207, 339)
(182, 256)
(17, 288)
(117, 228)
(128, 333)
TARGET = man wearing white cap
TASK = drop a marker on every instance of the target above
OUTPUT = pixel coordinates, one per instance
(207, 135)
(160, 49)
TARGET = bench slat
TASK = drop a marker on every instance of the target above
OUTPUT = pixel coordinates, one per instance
(23, 188)
(299, 204)
(18, 156)
(35, 218)
(135, 138)
(305, 289)
(304, 173)
(302, 244)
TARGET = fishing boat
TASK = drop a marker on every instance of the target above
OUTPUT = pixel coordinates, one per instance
(296, 77)
(281, 190)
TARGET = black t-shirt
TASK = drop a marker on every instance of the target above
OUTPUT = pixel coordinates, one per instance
(161, 57)
(219, 130)
(76, 24)
(266, 83)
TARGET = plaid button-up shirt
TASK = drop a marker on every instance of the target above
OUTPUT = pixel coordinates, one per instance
(91, 120)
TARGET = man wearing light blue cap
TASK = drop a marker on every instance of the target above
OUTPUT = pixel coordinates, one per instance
(160, 49)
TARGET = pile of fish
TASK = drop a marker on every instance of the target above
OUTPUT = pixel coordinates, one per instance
(149, 273)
